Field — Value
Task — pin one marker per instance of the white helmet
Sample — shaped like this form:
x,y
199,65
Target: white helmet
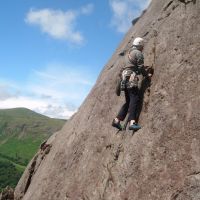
x,y
138,42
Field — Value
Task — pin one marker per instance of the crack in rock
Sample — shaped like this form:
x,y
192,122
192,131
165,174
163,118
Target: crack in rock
x,y
187,1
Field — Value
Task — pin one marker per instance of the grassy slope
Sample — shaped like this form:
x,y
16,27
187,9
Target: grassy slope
x,y
21,133
9,174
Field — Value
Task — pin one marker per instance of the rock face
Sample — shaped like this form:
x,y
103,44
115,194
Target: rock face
x,y
87,160
7,194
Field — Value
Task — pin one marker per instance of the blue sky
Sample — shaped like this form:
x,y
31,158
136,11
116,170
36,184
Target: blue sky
x,y
52,51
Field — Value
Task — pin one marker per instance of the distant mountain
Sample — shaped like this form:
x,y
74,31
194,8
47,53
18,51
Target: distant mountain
x,y
21,132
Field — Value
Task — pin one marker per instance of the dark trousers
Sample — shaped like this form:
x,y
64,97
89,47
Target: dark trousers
x,y
131,104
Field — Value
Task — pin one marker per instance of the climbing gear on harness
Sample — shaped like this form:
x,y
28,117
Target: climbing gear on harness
x,y
133,81
117,125
134,127
124,76
138,42
129,79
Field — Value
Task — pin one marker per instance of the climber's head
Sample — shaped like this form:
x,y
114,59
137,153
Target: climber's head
x,y
138,43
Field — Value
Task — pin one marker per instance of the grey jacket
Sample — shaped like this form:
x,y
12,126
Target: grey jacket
x,y
134,61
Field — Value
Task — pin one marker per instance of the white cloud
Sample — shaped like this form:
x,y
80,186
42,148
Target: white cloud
x,y
4,94
88,9
58,74
45,107
57,111
59,24
56,90
124,11
61,82
8,90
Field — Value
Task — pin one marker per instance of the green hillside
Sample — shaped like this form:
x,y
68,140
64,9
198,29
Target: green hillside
x,y
21,133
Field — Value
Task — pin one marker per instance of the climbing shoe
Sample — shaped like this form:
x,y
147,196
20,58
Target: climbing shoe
x,y
117,125
134,127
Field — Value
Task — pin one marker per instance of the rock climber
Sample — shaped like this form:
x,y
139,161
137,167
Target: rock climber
x,y
133,68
